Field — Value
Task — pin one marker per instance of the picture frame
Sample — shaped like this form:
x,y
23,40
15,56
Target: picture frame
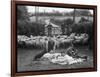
x,y
14,53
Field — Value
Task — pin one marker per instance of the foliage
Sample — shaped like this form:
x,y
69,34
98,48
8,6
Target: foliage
x,y
22,13
66,26
83,19
37,29
84,12
84,27
68,21
80,12
28,29
24,26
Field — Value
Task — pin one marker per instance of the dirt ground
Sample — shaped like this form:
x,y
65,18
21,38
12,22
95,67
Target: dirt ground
x,y
25,60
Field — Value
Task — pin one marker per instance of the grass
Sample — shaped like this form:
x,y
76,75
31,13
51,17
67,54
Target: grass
x,y
58,18
25,60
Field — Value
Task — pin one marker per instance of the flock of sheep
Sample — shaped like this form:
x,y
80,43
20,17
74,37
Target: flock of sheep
x,y
42,41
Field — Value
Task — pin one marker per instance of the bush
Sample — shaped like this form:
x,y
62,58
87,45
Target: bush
x,y
22,27
68,21
27,28
37,28
83,19
84,27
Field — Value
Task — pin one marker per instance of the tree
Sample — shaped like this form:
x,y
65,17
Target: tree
x,y
80,12
22,20
74,13
66,26
84,12
22,13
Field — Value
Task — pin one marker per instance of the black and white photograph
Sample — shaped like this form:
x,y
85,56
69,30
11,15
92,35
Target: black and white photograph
x,y
50,38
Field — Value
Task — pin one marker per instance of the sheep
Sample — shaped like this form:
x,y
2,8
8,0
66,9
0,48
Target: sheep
x,y
42,41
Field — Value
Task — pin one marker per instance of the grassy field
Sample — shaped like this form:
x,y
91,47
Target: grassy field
x,y
58,18
25,60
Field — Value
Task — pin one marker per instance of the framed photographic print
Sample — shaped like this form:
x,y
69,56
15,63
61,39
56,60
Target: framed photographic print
x,y
51,38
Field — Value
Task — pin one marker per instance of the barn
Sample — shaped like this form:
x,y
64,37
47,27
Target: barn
x,y
52,29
